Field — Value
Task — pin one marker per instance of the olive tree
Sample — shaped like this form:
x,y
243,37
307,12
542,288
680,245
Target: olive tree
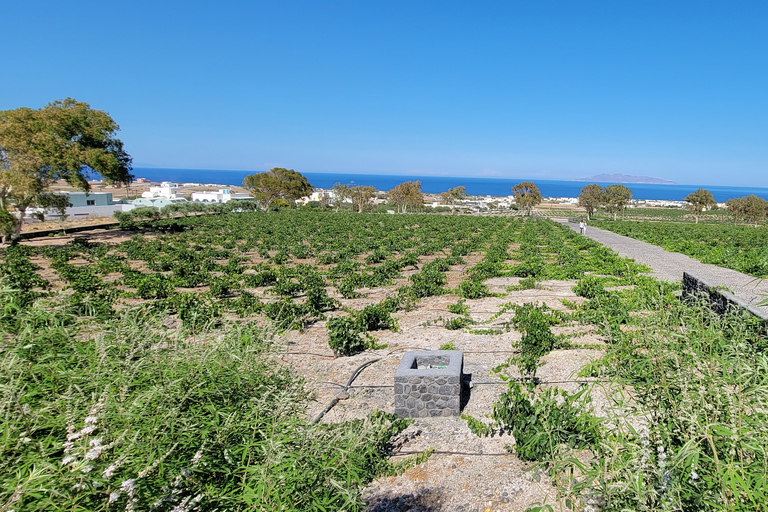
x,y
65,140
699,201
277,183
527,195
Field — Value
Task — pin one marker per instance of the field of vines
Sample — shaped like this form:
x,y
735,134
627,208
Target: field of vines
x,y
137,374
743,248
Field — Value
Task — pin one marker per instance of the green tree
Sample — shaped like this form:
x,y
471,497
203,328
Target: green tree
x,y
590,198
453,196
361,196
340,194
755,209
527,195
616,198
406,195
699,201
737,206
275,184
65,140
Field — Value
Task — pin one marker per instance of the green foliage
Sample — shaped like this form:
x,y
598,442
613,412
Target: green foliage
x,y
534,322
460,308
448,346
742,248
87,427
471,289
454,324
541,423
153,286
344,336
277,184
589,287
428,282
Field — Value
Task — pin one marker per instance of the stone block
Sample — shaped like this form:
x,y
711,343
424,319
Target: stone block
x,y
428,384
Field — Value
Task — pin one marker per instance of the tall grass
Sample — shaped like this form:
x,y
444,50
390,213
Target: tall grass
x,y
688,431
123,415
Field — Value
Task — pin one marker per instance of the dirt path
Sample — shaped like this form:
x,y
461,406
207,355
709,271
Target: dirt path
x,y
669,266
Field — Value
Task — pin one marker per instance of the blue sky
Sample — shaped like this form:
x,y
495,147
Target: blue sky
x,y
519,89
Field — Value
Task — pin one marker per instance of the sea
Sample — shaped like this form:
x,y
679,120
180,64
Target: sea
x,y
437,184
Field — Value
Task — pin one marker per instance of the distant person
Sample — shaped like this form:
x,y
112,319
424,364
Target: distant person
x,y
582,227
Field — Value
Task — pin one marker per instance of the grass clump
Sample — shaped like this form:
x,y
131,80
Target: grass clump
x,y
126,416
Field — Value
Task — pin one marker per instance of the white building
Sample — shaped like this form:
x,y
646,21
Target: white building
x,y
84,205
167,190
223,195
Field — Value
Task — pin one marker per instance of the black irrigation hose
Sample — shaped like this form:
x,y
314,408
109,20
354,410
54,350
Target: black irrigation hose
x,y
344,389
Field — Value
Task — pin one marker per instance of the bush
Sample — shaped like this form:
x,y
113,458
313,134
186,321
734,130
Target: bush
x,y
344,338
541,423
471,289
538,340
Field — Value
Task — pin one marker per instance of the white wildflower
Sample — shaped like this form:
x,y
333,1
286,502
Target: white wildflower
x,y
90,420
94,453
87,469
74,436
109,471
694,475
67,460
87,429
114,496
68,446
79,487
198,455
128,487
95,442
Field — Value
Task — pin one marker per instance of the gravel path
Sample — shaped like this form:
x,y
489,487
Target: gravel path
x,y
669,266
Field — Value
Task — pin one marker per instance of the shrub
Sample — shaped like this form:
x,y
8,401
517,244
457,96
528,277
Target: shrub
x,y
471,289
589,287
344,338
153,286
541,423
537,340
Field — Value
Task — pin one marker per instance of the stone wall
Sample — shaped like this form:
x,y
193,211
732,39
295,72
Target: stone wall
x,y
428,384
721,301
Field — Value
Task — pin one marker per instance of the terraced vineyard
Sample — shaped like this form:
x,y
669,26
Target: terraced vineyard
x,y
180,367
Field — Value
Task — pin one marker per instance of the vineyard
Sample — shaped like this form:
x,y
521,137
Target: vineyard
x,y
179,366
743,248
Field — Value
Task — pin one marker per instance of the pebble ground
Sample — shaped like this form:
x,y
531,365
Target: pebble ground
x,y
669,266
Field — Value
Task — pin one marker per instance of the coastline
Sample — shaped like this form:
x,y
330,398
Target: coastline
x,y
482,187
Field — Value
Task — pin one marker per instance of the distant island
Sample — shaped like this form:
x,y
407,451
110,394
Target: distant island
x,y
624,178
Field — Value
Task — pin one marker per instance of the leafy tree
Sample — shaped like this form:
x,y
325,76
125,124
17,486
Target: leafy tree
x,y
453,196
616,198
361,195
527,195
737,207
65,140
699,201
275,184
591,197
340,194
406,195
755,209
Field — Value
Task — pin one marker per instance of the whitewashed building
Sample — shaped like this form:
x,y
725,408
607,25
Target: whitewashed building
x,y
223,195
